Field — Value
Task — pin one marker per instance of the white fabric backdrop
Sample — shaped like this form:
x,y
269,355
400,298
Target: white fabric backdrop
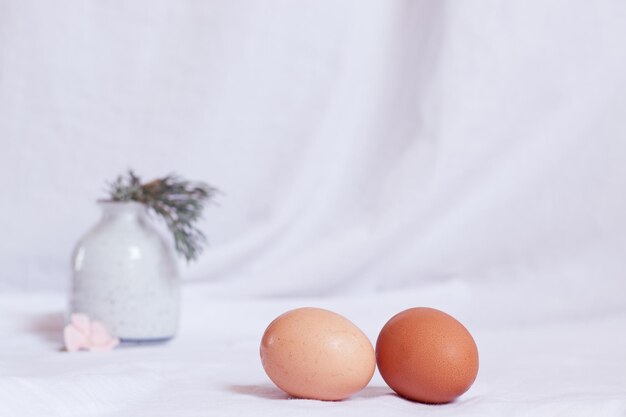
x,y
470,156
422,141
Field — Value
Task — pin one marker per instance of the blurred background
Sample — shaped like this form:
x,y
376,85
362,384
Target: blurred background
x,y
361,146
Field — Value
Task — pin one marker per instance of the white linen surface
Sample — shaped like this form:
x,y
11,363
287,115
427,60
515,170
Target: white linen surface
x,y
374,155
542,366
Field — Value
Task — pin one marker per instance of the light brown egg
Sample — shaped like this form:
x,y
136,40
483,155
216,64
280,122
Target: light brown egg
x,y
317,354
426,355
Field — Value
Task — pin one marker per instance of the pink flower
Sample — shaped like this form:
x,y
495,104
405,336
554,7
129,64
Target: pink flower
x,y
83,333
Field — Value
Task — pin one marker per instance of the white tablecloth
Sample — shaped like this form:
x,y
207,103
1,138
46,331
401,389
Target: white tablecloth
x,y
539,360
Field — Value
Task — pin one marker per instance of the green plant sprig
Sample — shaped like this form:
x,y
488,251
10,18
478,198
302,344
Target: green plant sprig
x,y
179,202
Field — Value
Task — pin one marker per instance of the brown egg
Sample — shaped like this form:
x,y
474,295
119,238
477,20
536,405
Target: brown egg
x,y
426,355
317,354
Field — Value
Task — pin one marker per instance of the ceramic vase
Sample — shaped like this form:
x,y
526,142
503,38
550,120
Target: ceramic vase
x,y
125,274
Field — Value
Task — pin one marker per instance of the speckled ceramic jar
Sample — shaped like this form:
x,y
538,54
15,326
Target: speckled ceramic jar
x,y
126,275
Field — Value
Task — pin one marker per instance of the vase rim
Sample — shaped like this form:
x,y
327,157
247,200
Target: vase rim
x,y
111,203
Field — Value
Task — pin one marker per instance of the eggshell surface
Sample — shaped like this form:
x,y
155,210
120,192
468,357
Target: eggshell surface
x,y
426,355
317,354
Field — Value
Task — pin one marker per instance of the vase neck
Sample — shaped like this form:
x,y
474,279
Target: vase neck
x,y
122,210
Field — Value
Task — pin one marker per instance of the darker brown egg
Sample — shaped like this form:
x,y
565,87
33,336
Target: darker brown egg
x,y
426,355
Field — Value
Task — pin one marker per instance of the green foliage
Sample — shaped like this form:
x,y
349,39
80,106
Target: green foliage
x,y
179,202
